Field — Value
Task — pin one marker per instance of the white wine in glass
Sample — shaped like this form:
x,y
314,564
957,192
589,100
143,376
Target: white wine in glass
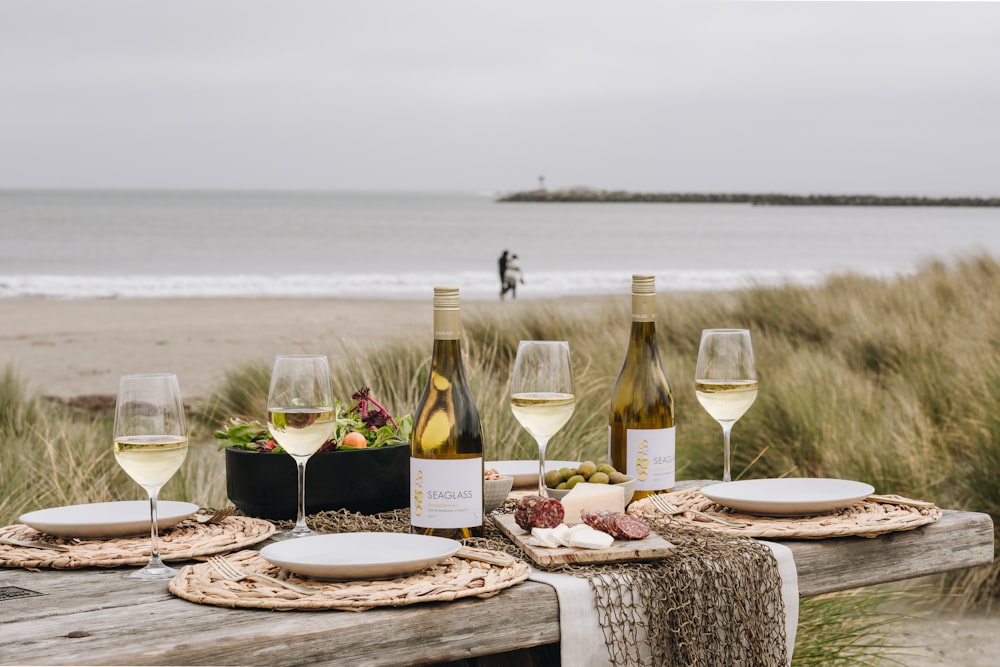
x,y
300,417
726,381
541,393
150,444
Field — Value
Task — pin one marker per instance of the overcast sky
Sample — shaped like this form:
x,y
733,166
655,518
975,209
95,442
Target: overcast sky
x,y
887,98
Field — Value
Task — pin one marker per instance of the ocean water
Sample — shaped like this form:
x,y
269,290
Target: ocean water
x,y
103,244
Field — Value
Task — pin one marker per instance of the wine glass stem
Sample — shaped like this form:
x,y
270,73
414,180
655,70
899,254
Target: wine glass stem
x,y
727,429
542,442
300,519
154,533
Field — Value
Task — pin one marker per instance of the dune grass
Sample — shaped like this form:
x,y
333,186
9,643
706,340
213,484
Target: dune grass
x,y
893,381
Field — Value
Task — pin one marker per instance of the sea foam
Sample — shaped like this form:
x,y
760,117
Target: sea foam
x,y
403,285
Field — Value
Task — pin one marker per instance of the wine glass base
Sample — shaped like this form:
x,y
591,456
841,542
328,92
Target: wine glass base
x,y
153,573
292,534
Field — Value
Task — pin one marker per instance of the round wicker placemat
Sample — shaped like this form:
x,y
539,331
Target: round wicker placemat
x,y
188,539
866,518
451,579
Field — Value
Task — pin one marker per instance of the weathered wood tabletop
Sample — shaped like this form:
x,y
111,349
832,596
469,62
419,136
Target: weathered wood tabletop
x,y
97,616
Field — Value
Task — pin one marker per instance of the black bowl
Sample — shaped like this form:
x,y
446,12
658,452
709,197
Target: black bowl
x,y
367,480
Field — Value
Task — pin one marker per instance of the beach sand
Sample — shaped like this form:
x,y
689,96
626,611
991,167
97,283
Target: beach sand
x,y
949,639
70,349
81,347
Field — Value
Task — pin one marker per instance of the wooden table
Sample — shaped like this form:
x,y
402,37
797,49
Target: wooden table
x,y
98,617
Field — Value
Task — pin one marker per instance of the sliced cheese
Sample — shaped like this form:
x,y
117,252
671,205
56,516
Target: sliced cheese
x,y
586,497
545,537
561,534
589,538
580,535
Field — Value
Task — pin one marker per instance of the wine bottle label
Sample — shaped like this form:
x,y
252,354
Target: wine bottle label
x,y
650,457
643,308
447,325
446,493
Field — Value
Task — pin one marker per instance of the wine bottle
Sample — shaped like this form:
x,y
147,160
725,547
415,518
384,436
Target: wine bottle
x,y
446,448
641,419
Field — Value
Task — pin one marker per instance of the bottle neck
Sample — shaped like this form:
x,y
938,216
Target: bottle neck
x,y
643,331
447,355
446,358
643,335
447,324
643,308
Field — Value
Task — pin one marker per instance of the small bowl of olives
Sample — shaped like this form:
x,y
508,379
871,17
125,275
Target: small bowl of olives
x,y
559,482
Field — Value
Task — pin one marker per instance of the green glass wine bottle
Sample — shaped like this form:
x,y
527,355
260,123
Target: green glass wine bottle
x,y
446,448
641,437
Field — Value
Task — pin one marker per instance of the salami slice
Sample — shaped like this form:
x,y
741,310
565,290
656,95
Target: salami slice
x,y
538,512
597,519
629,527
618,525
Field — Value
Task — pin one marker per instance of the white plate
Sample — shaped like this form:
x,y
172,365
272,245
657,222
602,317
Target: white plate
x,y
104,520
359,555
788,496
525,473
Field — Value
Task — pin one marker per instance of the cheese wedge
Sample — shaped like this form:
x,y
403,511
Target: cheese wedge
x,y
586,497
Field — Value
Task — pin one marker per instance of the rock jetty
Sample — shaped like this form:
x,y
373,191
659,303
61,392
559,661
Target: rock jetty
x,y
588,195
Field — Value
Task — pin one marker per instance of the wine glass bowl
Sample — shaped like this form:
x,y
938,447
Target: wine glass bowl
x,y
726,380
150,444
541,393
300,417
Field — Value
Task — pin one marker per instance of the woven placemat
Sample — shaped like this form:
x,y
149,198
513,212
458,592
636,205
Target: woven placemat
x,y
712,578
866,518
451,579
188,539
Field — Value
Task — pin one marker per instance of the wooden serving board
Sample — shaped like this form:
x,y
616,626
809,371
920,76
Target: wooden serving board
x,y
648,548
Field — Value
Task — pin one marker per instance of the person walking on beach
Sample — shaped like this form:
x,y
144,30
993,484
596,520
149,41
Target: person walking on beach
x,y
503,272
511,277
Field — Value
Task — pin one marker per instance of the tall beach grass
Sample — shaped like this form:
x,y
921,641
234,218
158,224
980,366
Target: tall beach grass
x,y
892,381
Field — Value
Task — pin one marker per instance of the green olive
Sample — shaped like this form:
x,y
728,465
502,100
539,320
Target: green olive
x,y
618,477
587,468
599,478
566,473
574,480
553,478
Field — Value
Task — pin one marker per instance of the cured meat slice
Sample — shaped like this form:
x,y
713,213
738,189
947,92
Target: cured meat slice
x,y
538,512
617,524
598,519
629,527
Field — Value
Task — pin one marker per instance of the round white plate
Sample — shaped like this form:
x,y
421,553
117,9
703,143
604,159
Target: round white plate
x,y
788,496
105,520
359,555
525,473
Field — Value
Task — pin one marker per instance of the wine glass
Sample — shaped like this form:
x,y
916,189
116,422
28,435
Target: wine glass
x,y
150,443
725,380
300,417
541,393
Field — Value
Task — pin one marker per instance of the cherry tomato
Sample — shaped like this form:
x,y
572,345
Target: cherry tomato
x,y
355,440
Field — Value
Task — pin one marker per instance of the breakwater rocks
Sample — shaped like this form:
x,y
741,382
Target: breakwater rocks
x,y
589,196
